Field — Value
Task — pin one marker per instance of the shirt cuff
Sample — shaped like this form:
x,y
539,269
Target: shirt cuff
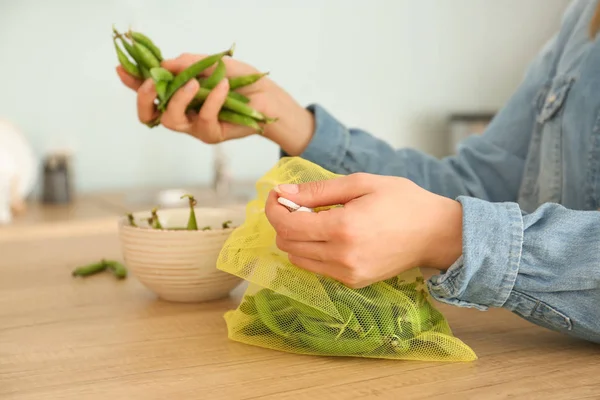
x,y
330,141
485,274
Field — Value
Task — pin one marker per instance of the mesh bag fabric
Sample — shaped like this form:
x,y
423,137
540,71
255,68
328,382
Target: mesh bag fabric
x,y
289,309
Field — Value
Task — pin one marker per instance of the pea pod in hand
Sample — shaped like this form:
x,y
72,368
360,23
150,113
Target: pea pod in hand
x,y
146,57
127,65
90,269
217,76
146,42
237,82
192,72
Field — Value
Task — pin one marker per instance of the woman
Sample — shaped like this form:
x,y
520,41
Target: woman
x,y
511,221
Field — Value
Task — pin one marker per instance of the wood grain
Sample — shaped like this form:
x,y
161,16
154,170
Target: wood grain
x,y
97,338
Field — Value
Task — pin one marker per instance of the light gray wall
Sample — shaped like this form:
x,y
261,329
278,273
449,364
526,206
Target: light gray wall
x,y
395,68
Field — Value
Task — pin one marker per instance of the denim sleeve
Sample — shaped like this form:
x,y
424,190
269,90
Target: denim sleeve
x,y
543,266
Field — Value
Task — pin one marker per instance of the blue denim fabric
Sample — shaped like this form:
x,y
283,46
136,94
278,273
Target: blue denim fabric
x,y
529,188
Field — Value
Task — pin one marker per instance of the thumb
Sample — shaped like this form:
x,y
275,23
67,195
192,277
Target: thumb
x,y
328,192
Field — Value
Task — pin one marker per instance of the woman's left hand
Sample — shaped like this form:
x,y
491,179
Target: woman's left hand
x,y
387,225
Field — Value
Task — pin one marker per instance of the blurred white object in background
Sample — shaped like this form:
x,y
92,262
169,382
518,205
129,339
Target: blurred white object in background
x,y
221,172
18,170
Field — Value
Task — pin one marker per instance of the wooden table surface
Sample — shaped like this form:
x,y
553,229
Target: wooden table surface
x,y
97,338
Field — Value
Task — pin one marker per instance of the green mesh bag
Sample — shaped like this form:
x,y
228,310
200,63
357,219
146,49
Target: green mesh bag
x,y
289,309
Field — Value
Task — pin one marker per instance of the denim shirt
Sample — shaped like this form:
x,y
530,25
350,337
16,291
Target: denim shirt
x,y
529,188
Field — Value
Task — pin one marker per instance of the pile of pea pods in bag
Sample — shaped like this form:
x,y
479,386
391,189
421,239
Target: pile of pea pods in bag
x,y
141,58
289,309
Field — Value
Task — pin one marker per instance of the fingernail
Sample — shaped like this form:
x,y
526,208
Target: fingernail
x,y
287,188
224,82
147,86
190,86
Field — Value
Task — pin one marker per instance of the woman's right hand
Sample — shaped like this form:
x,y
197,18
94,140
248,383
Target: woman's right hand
x,y
292,131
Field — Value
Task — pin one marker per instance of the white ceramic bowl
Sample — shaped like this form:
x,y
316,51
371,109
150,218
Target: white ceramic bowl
x,y
180,265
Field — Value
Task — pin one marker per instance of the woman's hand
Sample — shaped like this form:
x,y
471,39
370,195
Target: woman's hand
x,y
292,131
386,226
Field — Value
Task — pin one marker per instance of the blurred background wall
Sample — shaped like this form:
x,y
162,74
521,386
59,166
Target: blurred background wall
x,y
396,68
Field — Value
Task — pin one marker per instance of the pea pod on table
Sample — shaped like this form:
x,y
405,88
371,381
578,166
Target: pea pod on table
x,y
90,269
117,269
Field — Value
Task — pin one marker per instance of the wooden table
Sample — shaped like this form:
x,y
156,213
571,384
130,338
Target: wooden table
x,y
97,338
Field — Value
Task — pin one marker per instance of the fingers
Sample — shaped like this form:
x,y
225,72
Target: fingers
x,y
175,116
319,267
298,226
145,102
206,125
330,192
233,67
176,65
317,251
128,80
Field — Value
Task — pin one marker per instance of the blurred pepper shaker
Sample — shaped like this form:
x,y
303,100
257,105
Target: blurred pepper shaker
x,y
57,179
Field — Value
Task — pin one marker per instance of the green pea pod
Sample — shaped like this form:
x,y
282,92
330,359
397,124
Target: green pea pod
x,y
155,220
161,89
229,116
400,300
131,220
239,119
146,57
351,322
145,71
341,346
438,345
399,345
385,317
316,327
192,224
127,65
364,316
278,304
192,72
161,74
404,328
239,97
134,54
217,76
255,327
90,269
146,42
245,80
276,300
233,105
311,311
234,95
267,316
248,306
117,269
